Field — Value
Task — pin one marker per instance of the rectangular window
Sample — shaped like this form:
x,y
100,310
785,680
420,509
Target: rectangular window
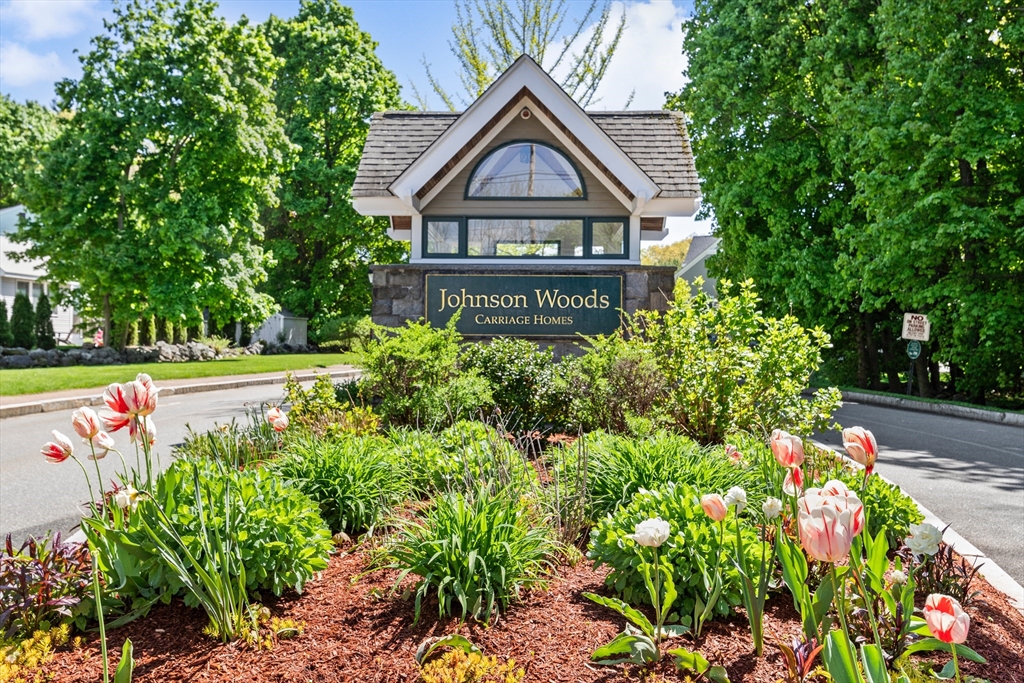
x,y
542,237
443,237
609,238
37,290
23,288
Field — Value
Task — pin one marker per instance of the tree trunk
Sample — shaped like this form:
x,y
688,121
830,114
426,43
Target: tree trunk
x,y
933,369
892,364
924,387
862,354
954,375
874,371
107,322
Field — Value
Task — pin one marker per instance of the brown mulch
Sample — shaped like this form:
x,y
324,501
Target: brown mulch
x,y
355,631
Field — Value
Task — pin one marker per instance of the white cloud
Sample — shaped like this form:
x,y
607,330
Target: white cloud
x,y
20,66
649,60
37,20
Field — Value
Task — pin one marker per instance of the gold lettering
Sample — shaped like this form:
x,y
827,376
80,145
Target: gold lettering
x,y
562,298
455,298
506,301
575,298
547,296
442,300
517,298
592,297
495,301
604,301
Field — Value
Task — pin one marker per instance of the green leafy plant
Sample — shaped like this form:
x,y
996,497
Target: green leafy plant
x,y
21,656
943,573
473,552
729,368
45,338
799,656
218,344
279,538
233,444
354,481
6,337
344,333
519,376
621,466
413,372
23,321
686,660
460,666
692,551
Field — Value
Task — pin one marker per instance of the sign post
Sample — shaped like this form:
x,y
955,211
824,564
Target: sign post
x,y
917,328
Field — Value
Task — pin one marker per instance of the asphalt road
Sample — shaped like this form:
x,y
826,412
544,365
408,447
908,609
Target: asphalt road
x,y
36,495
969,473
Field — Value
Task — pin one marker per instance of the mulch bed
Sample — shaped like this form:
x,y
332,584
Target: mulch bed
x,y
355,631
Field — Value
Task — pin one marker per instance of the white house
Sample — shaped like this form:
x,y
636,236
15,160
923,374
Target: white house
x,y
701,247
29,277
282,327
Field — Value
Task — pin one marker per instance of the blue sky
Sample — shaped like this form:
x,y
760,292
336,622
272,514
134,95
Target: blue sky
x,y
38,40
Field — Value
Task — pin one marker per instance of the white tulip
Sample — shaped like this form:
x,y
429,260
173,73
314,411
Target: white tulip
x,y
772,508
651,533
898,578
127,498
924,539
738,497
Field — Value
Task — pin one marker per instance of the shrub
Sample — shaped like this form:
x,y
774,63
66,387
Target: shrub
x,y
616,378
413,373
885,506
45,338
474,552
621,466
41,583
21,659
353,480
6,338
23,322
728,368
324,412
519,375
281,538
344,333
691,549
218,344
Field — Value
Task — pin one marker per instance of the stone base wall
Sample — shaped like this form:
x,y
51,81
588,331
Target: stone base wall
x,y
399,290
16,357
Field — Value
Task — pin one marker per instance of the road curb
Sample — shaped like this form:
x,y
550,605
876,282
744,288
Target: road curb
x,y
987,567
948,409
19,409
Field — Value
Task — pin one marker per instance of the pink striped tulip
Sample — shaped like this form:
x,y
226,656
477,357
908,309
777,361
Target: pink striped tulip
x,y
829,519
946,619
793,484
143,430
58,450
787,449
861,446
277,419
85,422
101,443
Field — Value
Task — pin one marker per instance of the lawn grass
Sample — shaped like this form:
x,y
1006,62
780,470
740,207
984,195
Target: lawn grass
x,y
38,380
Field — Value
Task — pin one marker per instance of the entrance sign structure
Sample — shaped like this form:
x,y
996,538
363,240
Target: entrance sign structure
x,y
524,210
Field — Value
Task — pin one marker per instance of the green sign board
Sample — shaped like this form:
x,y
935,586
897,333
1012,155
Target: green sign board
x,y
914,349
526,305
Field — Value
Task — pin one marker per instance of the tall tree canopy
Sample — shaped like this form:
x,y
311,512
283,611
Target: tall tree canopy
x,y
864,159
149,197
25,129
489,35
329,83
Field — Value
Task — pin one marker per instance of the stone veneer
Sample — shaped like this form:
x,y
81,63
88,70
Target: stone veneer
x,y
398,290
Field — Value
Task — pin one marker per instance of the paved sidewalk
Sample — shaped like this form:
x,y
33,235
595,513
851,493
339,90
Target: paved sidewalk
x,y
25,404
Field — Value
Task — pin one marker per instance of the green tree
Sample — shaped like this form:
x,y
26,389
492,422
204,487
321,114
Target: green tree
x,y
25,129
149,198
665,254
489,35
934,134
45,338
329,83
6,338
23,322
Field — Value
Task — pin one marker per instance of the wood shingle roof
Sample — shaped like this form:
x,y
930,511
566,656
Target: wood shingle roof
x,y
656,141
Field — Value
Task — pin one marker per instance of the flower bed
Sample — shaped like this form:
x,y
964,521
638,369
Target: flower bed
x,y
760,559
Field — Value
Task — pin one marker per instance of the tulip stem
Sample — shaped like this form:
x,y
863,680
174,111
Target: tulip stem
x,y
867,599
96,462
658,619
88,482
956,662
841,609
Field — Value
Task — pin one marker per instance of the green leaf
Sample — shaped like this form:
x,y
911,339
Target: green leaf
x,y
687,660
638,646
453,640
126,667
936,645
874,664
635,616
841,666
947,672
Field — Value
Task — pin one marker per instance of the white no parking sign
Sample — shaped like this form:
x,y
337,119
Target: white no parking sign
x,y
916,326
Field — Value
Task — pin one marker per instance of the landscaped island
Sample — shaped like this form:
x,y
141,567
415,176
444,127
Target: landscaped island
x,y
649,510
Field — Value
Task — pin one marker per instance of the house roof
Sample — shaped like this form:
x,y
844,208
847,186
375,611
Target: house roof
x,y
656,141
701,246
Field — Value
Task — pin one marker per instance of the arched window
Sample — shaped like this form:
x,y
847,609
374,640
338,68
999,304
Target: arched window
x,y
525,170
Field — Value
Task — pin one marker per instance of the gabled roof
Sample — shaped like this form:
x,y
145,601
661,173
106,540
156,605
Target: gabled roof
x,y
656,141
701,246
